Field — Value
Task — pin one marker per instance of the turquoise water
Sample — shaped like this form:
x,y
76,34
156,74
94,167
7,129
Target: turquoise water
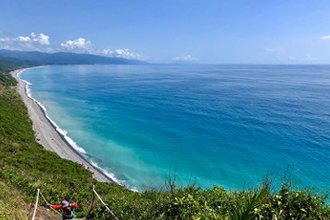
x,y
224,125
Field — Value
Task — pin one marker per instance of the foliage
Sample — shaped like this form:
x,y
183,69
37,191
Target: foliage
x,y
25,166
5,78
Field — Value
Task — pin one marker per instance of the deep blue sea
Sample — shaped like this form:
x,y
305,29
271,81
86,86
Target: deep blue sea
x,y
227,125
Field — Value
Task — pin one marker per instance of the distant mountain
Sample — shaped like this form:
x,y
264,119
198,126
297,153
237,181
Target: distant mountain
x,y
62,58
15,62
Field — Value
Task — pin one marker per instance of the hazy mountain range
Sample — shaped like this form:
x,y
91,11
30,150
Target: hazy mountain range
x,y
61,58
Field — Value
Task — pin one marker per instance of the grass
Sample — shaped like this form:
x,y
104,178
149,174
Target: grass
x,y
12,206
25,165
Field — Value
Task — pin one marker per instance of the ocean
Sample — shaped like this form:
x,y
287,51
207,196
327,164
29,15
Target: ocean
x,y
227,125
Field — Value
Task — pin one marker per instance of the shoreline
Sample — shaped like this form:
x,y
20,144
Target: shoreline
x,y
49,137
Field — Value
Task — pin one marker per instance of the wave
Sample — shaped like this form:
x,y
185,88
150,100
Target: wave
x,y
58,129
112,176
64,134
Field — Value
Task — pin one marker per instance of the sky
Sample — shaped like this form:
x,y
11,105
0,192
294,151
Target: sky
x,y
171,31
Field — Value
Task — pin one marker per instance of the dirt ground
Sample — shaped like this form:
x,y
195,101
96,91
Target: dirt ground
x,y
47,214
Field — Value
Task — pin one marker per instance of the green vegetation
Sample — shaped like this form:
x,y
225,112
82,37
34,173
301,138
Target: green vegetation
x,y
5,78
25,165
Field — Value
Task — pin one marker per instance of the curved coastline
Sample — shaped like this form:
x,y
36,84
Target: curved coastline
x,y
50,138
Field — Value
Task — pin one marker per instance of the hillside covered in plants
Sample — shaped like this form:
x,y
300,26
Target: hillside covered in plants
x,y
25,166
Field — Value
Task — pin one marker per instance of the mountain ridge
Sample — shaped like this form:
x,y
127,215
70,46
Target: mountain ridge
x,y
64,58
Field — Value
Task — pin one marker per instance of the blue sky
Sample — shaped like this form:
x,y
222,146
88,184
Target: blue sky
x,y
213,32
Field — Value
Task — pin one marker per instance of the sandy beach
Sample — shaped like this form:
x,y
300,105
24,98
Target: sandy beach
x,y
49,138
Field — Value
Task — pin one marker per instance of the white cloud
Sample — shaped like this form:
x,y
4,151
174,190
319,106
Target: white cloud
x,y
82,45
122,53
22,39
41,39
39,42
5,40
25,42
326,37
185,58
309,57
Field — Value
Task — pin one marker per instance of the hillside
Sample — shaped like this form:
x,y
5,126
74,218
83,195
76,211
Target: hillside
x,y
62,58
25,166
12,62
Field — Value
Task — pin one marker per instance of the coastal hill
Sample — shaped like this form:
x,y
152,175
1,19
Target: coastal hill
x,y
62,58
25,165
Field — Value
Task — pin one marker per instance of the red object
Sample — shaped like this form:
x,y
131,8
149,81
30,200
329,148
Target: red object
x,y
73,206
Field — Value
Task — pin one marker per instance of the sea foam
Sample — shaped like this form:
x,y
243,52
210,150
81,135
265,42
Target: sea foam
x,y
65,136
58,129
